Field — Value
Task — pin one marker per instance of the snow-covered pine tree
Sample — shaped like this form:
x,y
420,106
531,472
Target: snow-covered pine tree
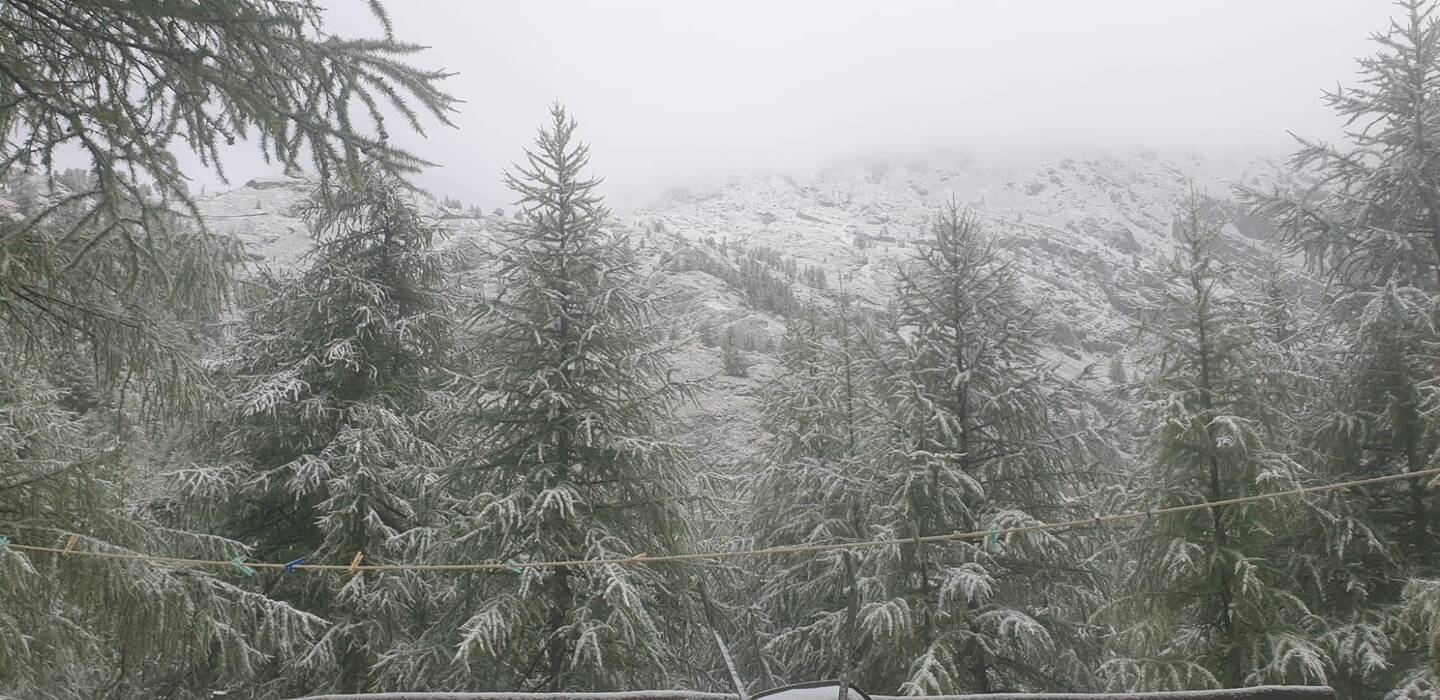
x,y
1381,420
1421,616
106,271
1218,597
87,627
1346,570
979,434
94,357
821,483
1369,216
732,360
570,459
1371,223
327,444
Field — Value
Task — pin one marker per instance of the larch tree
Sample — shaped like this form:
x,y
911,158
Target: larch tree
x,y
1333,542
81,626
980,434
1370,222
818,485
732,358
1218,597
569,459
112,271
127,86
328,445
1379,420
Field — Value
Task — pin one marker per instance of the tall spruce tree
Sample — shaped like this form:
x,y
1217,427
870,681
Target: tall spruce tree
x,y
327,446
570,460
1333,542
977,434
820,483
1371,223
1380,421
1219,597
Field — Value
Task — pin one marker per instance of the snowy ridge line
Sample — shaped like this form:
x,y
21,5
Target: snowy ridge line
x,y
642,559
1267,692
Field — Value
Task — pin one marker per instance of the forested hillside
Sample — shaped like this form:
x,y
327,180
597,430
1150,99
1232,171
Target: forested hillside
x,y
931,426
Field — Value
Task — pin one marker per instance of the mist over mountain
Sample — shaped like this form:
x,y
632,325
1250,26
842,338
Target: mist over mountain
x,y
674,96
1082,229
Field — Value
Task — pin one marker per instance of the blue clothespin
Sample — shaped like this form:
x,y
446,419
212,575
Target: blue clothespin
x,y
992,539
512,567
239,564
291,565
4,543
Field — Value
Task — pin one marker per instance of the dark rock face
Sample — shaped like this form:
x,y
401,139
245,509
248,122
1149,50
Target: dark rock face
x,y
276,183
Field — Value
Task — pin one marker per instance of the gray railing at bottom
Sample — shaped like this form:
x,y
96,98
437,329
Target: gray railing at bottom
x,y
1288,692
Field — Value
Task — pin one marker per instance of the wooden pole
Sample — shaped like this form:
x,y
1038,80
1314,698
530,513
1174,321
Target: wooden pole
x,y
720,641
852,609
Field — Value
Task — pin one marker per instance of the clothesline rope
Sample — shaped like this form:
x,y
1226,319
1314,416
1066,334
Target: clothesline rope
x,y
642,559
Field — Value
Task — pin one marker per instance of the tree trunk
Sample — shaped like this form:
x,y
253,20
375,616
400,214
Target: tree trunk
x,y
1231,675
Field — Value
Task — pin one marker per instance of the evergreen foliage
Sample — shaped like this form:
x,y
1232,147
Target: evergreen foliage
x,y
326,445
133,314
819,484
983,434
105,283
569,459
950,421
82,627
99,353
758,275
1371,224
126,82
732,359
370,403
1216,598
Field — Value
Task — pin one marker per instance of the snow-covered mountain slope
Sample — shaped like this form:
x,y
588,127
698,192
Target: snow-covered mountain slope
x,y
1081,229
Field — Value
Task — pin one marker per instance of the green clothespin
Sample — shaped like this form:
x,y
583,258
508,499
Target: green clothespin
x,y
239,564
4,543
512,567
992,539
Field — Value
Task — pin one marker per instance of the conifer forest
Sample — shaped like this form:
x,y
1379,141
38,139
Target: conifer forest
x,y
944,423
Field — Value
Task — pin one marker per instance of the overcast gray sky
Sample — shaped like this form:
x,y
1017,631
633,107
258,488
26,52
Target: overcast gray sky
x,y
671,91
